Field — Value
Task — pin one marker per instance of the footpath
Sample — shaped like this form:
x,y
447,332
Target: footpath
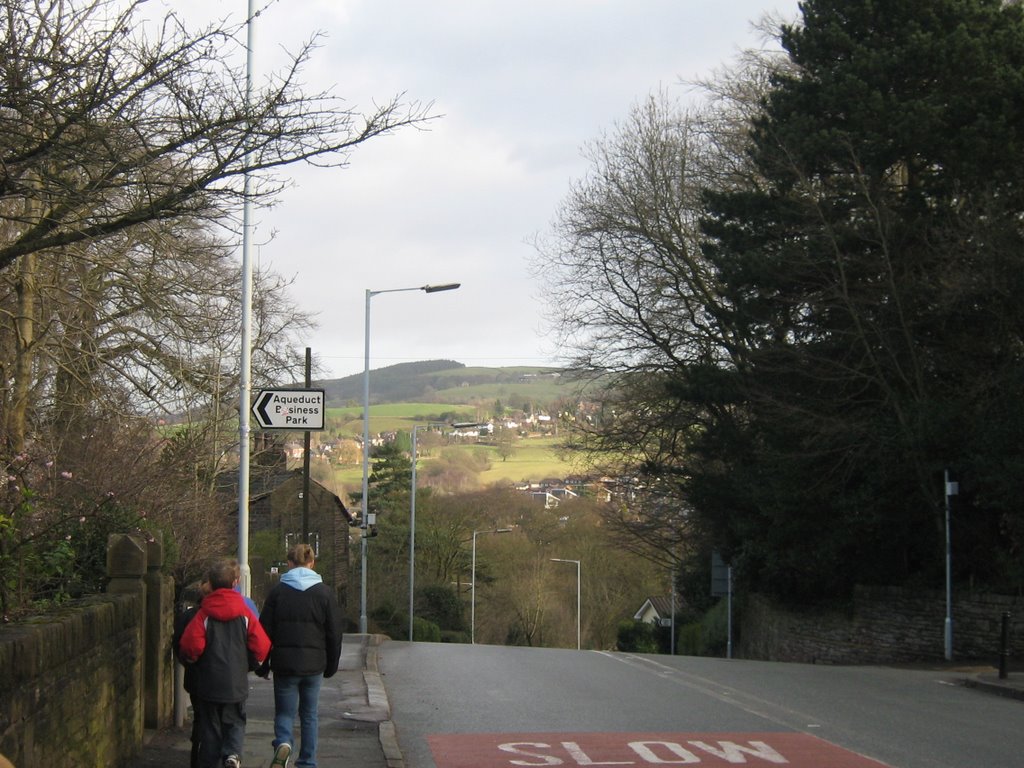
x,y
355,716
355,719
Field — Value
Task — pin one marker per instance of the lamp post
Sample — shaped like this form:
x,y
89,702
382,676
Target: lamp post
x,y
245,357
578,595
412,528
472,589
952,489
363,523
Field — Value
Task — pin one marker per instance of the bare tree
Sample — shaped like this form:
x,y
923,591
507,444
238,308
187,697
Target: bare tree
x,y
108,125
125,154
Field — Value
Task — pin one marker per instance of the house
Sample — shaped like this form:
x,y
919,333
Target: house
x,y
563,493
276,507
279,508
550,500
656,610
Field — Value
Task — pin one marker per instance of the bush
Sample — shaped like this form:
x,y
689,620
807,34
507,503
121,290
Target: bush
x,y
707,637
425,631
441,605
637,636
690,641
716,629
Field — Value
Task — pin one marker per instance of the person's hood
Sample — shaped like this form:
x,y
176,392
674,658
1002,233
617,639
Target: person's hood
x,y
301,578
224,605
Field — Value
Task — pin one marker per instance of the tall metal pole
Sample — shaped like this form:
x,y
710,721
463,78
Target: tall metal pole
x,y
472,595
472,589
728,648
578,595
412,535
672,592
366,465
364,522
951,489
305,457
245,359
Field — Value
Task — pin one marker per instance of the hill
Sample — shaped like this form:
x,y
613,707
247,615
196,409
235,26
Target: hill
x,y
447,381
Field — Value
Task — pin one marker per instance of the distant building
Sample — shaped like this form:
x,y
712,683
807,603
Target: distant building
x,y
276,504
655,610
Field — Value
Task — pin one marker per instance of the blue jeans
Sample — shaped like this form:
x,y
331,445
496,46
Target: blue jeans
x,y
297,694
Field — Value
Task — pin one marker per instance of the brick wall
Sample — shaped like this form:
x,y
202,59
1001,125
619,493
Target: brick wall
x,y
881,625
72,690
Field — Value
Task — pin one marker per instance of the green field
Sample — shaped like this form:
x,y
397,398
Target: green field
x,y
392,417
534,459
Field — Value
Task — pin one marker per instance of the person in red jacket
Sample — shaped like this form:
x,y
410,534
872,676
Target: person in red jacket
x,y
224,640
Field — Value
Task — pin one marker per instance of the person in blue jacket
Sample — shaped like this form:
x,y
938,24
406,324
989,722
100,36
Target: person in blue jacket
x,y
302,620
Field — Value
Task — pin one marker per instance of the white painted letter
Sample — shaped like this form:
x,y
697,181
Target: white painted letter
x,y
514,748
582,758
733,753
643,748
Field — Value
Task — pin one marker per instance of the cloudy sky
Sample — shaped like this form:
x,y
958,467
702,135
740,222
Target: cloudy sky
x,y
522,86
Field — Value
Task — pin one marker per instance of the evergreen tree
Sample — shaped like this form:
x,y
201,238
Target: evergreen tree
x,y
871,299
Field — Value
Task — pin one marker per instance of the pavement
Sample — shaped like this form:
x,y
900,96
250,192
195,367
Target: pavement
x,y
355,719
355,716
988,680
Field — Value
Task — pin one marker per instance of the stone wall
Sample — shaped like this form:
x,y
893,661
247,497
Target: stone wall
x,y
81,682
72,691
882,625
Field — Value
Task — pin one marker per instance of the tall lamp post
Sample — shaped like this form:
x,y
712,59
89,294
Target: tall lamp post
x,y
364,522
472,590
412,528
245,358
952,489
578,595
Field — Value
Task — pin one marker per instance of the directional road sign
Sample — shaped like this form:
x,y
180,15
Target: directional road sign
x,y
300,409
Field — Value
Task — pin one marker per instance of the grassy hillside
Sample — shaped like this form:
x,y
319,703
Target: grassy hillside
x,y
449,382
409,394
534,459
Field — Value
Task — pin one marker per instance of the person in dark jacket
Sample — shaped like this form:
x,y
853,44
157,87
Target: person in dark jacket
x,y
193,595
302,619
224,640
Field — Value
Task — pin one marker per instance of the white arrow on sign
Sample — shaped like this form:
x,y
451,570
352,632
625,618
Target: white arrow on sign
x,y
300,409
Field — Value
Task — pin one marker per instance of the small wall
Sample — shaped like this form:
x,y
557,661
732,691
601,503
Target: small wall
x,y
81,682
883,625
72,685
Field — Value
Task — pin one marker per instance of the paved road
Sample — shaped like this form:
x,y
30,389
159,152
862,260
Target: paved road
x,y
457,706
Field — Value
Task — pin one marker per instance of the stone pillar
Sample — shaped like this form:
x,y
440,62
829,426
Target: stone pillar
x,y
126,567
158,678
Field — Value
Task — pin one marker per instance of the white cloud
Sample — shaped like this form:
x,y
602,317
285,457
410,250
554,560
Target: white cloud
x,y
523,87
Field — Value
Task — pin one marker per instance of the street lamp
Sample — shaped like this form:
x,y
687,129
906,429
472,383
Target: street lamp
x,y
245,357
560,560
366,434
472,591
952,489
412,526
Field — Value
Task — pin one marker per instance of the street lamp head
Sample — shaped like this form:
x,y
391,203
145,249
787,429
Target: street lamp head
x,y
439,288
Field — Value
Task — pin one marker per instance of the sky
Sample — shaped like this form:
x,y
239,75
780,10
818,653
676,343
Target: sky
x,y
522,88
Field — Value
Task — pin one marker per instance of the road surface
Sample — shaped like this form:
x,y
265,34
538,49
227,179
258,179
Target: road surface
x,y
475,706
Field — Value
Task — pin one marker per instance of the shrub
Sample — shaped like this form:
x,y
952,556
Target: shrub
x,y
636,636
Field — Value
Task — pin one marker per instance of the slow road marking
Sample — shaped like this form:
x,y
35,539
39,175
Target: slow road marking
x,y
540,750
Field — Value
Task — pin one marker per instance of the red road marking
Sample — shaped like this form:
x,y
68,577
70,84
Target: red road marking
x,y
541,750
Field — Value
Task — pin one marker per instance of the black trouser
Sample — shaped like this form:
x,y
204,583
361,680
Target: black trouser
x,y
221,730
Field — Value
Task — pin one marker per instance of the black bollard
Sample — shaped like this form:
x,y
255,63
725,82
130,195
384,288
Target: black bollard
x,y
1004,646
